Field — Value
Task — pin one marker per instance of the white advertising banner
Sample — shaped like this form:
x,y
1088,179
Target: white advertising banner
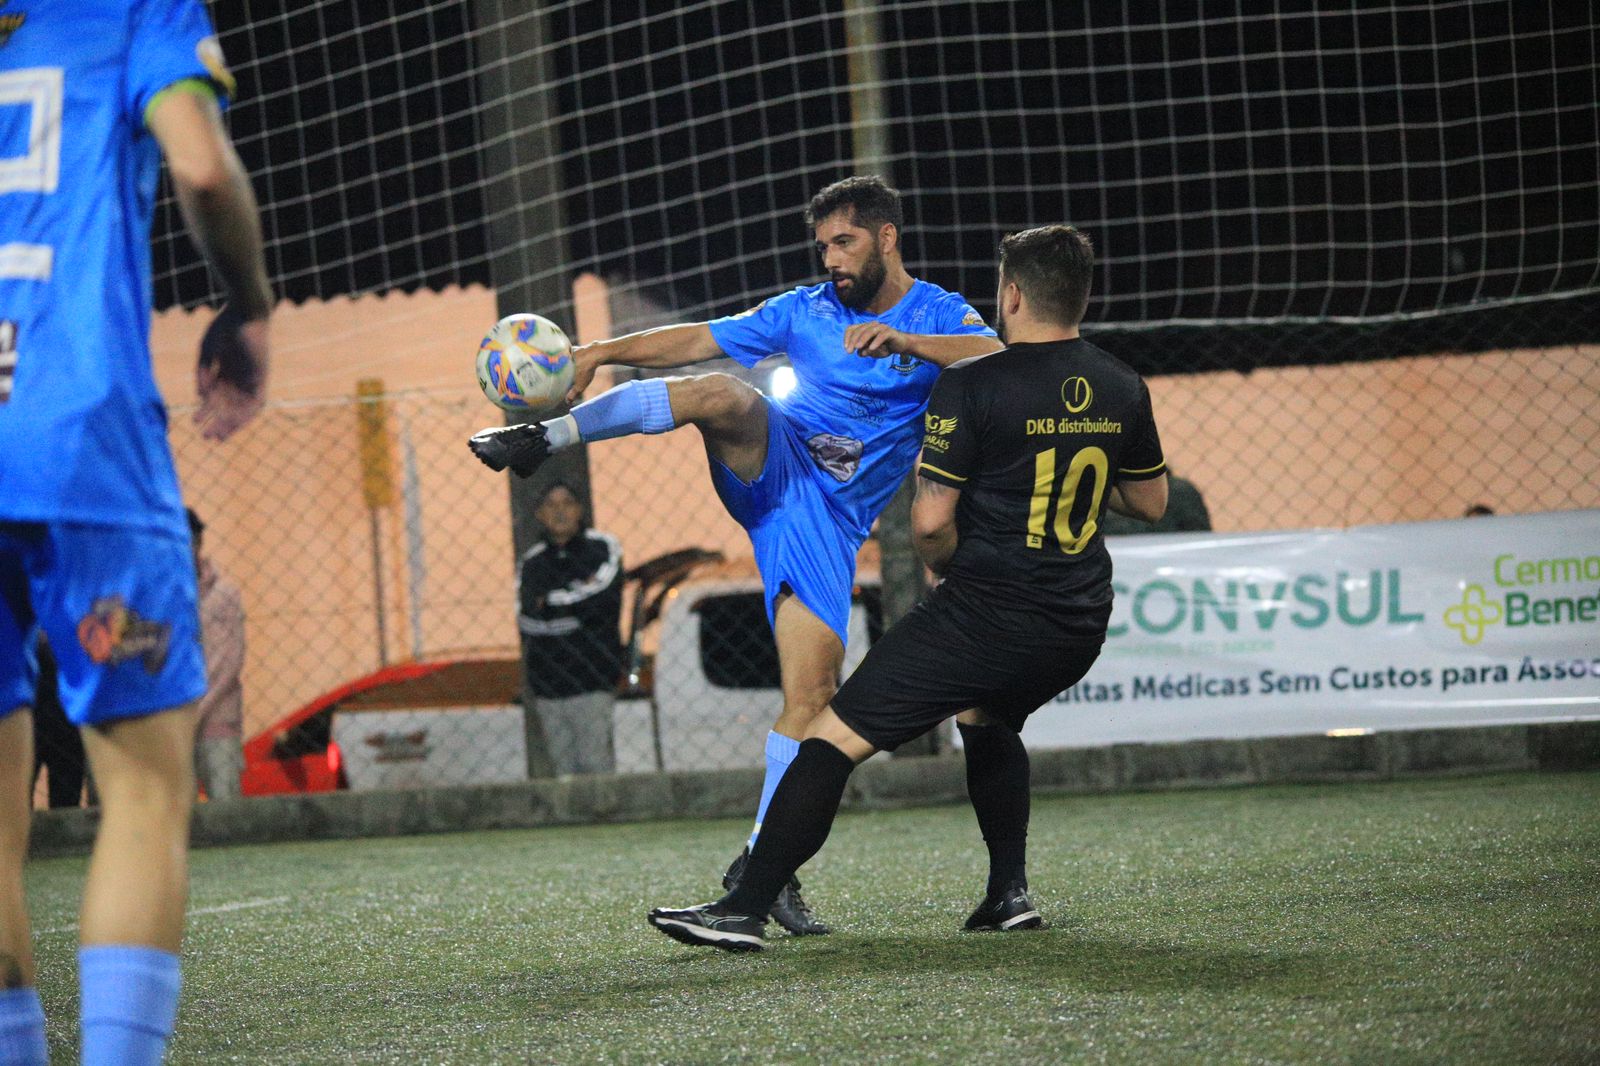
x,y
1477,621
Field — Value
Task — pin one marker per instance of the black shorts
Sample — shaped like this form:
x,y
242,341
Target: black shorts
x,y
948,655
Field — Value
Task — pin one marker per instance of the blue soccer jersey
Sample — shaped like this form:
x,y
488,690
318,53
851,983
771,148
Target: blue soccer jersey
x,y
83,431
860,418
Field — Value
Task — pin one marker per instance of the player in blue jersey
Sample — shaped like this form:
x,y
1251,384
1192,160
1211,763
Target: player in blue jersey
x,y
806,475
94,544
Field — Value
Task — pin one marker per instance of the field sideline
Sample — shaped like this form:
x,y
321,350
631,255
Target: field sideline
x,y
1440,920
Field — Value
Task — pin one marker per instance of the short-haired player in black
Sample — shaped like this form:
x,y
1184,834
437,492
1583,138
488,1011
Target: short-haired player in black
x,y
1023,452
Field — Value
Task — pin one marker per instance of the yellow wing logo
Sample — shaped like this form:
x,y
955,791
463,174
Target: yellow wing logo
x,y
1077,395
939,427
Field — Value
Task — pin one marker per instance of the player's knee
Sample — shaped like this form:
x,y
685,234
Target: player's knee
x,y
157,797
715,399
807,703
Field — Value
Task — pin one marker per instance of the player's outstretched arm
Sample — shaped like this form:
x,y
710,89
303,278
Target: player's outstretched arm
x,y
933,523
878,341
219,207
656,349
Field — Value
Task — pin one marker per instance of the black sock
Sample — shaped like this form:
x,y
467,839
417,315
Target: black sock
x,y
797,822
997,784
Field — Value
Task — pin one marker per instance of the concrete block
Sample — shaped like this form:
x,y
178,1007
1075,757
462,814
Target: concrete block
x,y
884,783
1456,750
1565,746
879,783
1315,758
1076,770
1200,762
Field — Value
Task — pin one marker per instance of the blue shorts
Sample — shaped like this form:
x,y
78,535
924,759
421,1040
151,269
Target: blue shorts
x,y
119,607
801,542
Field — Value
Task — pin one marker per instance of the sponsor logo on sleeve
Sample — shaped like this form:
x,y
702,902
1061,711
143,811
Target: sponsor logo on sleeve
x,y
938,429
209,52
973,319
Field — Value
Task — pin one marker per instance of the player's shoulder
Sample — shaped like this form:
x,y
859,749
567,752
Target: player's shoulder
x,y
1112,364
801,298
926,293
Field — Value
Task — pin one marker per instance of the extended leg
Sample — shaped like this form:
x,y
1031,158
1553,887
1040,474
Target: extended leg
x,y
21,1019
133,902
731,416
798,822
998,786
810,657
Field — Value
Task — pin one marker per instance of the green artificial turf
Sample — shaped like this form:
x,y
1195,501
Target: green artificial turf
x,y
1443,920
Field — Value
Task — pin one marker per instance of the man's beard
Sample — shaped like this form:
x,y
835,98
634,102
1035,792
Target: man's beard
x,y
864,286
1000,322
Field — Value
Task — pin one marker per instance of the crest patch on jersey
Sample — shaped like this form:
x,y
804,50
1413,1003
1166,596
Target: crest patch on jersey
x,y
973,319
839,456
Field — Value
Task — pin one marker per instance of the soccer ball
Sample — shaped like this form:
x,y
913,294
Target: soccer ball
x,y
525,364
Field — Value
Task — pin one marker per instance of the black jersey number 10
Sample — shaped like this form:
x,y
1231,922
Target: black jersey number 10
x,y
1064,497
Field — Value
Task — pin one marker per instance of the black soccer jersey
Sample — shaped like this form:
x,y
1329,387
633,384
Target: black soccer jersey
x,y
1035,436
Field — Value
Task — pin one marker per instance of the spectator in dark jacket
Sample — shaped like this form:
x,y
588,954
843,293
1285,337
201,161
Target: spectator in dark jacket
x,y
570,600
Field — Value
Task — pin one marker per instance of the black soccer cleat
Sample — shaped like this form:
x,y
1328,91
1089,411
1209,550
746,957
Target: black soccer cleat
x,y
789,910
521,447
711,925
1009,909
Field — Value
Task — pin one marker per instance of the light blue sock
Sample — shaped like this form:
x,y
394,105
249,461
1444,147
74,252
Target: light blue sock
x,y
129,1003
22,1028
632,407
781,751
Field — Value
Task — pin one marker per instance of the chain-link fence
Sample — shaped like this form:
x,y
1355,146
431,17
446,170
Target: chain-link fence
x,y
373,556
1353,248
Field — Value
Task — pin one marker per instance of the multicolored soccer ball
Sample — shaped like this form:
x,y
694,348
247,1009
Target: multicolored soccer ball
x,y
525,364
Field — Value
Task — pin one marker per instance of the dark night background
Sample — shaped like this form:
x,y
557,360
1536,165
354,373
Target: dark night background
x,y
1217,165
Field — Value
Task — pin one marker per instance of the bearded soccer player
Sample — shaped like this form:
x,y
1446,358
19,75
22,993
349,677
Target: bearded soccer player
x,y
1024,451
94,544
806,475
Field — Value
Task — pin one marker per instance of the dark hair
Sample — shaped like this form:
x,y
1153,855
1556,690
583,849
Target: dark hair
x,y
196,527
870,201
557,483
1053,266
